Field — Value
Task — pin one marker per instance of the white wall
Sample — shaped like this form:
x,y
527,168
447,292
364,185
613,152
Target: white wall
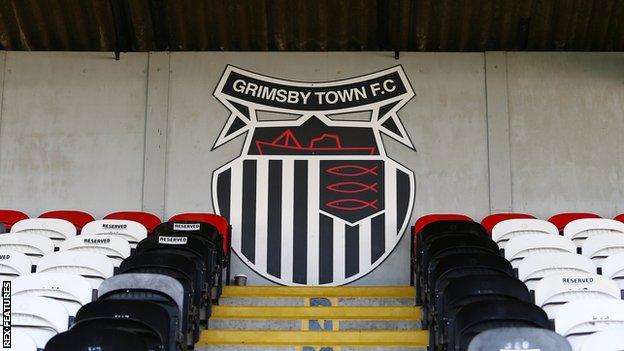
x,y
73,130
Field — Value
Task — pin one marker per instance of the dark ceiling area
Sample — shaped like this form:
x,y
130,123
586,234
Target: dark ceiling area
x,y
312,25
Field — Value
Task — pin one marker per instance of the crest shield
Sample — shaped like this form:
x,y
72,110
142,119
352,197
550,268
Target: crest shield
x,y
315,200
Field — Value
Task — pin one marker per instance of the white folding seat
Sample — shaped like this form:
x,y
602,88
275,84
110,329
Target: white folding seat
x,y
39,317
611,339
505,230
53,228
32,245
599,247
20,341
115,247
72,290
577,320
132,231
613,267
93,266
580,229
522,246
555,290
539,265
13,264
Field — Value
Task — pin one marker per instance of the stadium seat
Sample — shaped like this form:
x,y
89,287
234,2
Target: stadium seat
x,y
577,320
490,221
219,222
131,231
480,316
423,221
13,264
93,266
613,267
71,290
114,247
32,245
619,218
599,247
10,217
145,318
20,341
101,339
520,338
148,220
605,340
78,218
522,246
157,288
55,229
503,231
465,290
555,290
39,317
579,230
562,219
537,266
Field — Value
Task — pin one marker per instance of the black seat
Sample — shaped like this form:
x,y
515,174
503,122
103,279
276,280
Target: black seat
x,y
467,289
152,314
480,316
101,339
529,338
178,267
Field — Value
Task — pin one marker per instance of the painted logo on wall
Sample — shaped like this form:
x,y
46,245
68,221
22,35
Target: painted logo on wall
x,y
314,199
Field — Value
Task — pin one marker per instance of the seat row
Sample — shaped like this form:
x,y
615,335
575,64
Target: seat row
x,y
159,299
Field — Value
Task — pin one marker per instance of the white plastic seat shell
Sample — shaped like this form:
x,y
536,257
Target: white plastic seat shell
x,y
114,247
132,231
580,229
599,247
555,290
505,230
71,290
13,264
93,266
537,266
577,320
613,267
20,341
520,247
32,245
53,228
39,317
611,339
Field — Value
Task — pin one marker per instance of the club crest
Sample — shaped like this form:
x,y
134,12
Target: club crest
x,y
315,199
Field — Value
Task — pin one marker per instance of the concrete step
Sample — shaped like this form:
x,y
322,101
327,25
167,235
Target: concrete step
x,y
406,292
301,301
306,348
317,312
251,324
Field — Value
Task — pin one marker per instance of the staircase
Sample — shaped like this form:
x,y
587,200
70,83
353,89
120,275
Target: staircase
x,y
253,318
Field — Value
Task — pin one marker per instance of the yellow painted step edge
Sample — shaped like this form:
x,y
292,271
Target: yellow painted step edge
x,y
317,291
333,312
372,338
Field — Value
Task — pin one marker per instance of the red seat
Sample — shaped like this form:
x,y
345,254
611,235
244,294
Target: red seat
x,y
149,220
434,217
10,217
490,221
219,222
562,219
78,218
620,218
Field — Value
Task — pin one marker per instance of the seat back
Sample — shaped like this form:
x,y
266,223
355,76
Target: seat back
x,y
32,245
39,317
519,338
436,217
490,221
555,290
562,219
114,247
577,320
75,217
148,220
53,228
503,231
599,247
579,230
19,341
71,290
537,266
131,231
13,264
93,266
520,247
219,222
613,267
101,339
605,340
10,217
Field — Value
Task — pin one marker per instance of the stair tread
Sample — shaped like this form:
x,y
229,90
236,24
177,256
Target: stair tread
x,y
316,291
317,312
